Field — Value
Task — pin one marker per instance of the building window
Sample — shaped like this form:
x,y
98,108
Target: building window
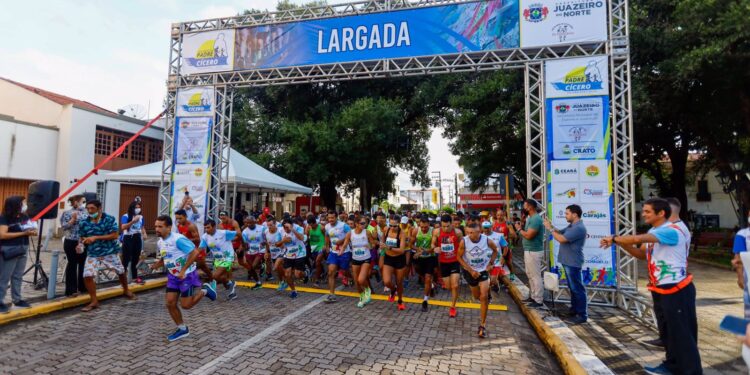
x,y
103,144
119,140
703,195
138,150
100,191
154,152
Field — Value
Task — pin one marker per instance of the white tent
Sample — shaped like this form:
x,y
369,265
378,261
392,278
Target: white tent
x,y
243,172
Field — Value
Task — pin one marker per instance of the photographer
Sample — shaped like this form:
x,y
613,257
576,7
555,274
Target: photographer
x,y
15,230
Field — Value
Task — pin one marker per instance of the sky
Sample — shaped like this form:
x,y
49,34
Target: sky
x,y
115,53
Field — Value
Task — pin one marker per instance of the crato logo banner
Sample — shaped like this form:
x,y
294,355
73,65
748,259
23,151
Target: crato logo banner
x,y
546,23
580,76
192,140
466,27
198,101
207,52
580,127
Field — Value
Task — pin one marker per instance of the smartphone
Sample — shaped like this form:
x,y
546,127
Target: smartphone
x,y
735,325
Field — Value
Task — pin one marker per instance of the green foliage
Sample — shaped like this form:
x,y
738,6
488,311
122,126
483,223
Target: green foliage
x,y
447,209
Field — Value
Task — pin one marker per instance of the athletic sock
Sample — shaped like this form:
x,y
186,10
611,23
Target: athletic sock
x,y
205,291
426,298
182,326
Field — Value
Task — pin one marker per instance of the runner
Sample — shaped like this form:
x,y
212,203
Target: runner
x,y
227,223
274,253
339,256
294,254
395,244
425,259
219,243
502,225
411,233
361,242
477,254
190,231
445,243
178,254
317,240
502,246
381,226
253,237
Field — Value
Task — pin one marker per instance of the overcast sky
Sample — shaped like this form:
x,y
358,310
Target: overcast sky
x,y
115,53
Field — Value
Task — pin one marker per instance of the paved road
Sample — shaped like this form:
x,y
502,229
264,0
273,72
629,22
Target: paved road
x,y
259,334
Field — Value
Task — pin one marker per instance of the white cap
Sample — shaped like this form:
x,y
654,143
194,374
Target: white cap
x,y
404,220
486,224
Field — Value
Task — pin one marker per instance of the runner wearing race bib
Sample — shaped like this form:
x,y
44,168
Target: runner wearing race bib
x,y
177,255
253,237
477,254
504,227
361,242
293,241
445,243
339,256
425,259
274,251
395,244
189,230
219,243
502,245
317,239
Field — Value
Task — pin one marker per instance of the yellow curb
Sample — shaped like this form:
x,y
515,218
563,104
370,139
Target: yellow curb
x,y
565,358
382,297
66,303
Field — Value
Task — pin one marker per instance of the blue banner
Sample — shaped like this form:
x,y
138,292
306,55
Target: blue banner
x,y
467,27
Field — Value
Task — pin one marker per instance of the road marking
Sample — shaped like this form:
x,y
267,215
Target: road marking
x,y
209,367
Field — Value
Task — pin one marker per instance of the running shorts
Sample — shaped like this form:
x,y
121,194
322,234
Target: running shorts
x,y
398,262
447,269
223,264
298,264
483,276
341,261
360,262
186,286
425,266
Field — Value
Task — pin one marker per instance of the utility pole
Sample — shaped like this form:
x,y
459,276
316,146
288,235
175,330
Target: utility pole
x,y
440,188
455,180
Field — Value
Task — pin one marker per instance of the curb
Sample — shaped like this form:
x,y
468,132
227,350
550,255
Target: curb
x,y
66,303
565,358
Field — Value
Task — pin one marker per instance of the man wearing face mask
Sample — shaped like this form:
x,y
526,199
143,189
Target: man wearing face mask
x,y
74,268
99,235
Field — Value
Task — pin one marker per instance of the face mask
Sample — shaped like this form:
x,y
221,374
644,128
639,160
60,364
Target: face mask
x,y
137,211
24,208
94,215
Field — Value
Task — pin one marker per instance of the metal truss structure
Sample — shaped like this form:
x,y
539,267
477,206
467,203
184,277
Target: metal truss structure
x,y
531,60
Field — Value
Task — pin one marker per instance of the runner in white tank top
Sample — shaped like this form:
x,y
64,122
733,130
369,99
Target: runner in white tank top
x,y
361,241
477,254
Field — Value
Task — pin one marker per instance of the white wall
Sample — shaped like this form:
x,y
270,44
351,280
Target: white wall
x,y
27,151
27,106
112,198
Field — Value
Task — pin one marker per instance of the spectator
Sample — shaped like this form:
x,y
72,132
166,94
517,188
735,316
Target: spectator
x,y
15,230
672,289
570,255
74,269
99,234
133,235
742,244
532,236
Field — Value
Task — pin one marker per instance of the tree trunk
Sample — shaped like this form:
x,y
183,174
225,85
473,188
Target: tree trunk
x,y
328,195
678,177
364,196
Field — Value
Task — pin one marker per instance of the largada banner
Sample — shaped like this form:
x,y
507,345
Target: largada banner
x,y
578,159
198,101
467,27
547,23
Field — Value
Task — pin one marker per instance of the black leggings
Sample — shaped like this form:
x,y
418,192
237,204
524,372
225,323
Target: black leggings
x,y
131,253
74,268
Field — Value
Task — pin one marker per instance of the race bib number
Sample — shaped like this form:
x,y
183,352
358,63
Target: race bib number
x,y
360,252
275,251
291,252
254,248
392,242
447,248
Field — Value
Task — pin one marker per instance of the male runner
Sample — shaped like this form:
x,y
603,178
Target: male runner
x,y
190,231
425,259
294,256
253,238
477,254
445,243
218,241
274,253
339,257
317,238
502,245
227,223
178,254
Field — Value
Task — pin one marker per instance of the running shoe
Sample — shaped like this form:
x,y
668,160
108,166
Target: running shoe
x,y
232,287
269,277
482,332
232,296
452,312
392,296
368,295
330,299
661,369
386,290
139,281
178,334
22,304
401,306
345,281
424,306
282,286
210,291
213,285
432,290
257,286
361,302
512,277
293,294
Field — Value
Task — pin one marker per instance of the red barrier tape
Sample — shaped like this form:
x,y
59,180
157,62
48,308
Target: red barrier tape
x,y
94,171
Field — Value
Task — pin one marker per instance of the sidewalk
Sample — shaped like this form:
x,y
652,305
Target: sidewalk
x,y
616,338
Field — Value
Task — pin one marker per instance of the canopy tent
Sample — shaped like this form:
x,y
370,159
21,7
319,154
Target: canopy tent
x,y
243,172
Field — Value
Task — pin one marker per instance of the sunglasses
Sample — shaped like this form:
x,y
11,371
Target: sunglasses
x,y
362,223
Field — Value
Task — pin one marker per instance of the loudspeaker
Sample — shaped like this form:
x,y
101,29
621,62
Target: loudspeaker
x,y
89,196
41,194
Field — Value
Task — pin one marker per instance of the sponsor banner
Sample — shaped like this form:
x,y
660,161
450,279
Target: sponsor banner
x,y
594,193
558,214
467,27
594,171
192,140
189,190
565,192
207,52
580,76
564,171
198,101
597,269
545,23
595,233
580,127
596,213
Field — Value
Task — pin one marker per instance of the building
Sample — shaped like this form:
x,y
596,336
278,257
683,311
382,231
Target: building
x,y
49,136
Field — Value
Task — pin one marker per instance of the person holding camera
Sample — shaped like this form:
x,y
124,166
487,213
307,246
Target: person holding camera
x,y
15,230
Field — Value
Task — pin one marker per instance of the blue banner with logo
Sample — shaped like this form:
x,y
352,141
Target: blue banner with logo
x,y
467,27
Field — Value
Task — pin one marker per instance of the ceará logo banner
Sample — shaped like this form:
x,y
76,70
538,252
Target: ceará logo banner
x,y
581,76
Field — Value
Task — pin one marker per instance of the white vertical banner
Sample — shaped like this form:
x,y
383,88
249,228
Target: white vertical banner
x,y
189,190
548,23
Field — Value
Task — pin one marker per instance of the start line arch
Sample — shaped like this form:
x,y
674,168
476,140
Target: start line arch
x,y
575,57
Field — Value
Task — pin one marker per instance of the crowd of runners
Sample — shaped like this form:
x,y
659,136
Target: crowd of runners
x,y
356,249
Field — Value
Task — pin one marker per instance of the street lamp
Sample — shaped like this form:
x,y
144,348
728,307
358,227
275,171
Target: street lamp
x,y
731,184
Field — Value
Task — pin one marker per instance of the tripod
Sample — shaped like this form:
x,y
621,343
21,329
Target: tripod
x,y
40,277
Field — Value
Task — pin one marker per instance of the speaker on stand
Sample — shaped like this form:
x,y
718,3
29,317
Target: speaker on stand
x,y
41,194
